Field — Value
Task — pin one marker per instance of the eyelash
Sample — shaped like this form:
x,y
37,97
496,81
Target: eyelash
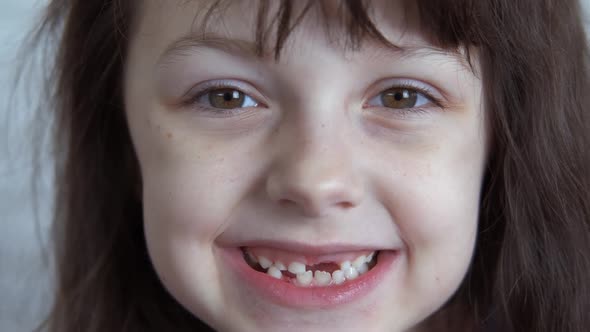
x,y
211,86
216,85
423,90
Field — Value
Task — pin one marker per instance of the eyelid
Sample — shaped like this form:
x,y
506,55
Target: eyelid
x,y
204,87
427,90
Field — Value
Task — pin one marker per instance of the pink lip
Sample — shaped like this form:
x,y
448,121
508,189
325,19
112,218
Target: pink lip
x,y
289,295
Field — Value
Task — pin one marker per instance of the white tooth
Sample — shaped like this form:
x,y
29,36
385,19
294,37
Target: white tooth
x,y
322,278
370,257
279,265
274,272
363,268
338,277
351,273
344,265
264,262
304,279
359,261
296,268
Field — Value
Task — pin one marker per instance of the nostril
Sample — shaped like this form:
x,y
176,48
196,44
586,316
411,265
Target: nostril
x,y
346,205
314,196
285,202
309,206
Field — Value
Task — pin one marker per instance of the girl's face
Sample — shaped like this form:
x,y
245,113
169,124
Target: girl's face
x,y
333,190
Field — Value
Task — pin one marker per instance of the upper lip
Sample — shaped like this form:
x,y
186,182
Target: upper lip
x,y
306,248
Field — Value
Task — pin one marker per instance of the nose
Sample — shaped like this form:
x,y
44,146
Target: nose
x,y
316,176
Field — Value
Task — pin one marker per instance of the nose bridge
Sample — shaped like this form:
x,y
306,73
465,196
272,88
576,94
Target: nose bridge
x,y
313,170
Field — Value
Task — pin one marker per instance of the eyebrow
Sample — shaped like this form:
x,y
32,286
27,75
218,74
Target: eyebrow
x,y
246,48
233,46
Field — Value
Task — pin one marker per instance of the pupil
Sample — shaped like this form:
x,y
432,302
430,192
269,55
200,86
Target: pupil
x,y
399,98
228,96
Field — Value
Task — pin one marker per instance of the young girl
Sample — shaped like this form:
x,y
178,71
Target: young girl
x,y
321,165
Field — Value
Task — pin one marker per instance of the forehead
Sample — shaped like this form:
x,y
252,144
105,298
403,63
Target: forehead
x,y
234,26
227,15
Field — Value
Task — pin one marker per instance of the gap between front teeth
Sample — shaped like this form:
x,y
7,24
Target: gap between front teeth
x,y
349,270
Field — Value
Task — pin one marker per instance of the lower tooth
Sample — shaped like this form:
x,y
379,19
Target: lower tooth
x,y
304,279
322,278
338,277
274,272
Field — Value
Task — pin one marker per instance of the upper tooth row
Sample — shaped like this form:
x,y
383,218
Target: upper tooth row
x,y
297,267
348,270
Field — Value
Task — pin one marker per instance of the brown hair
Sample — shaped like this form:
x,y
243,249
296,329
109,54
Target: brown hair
x,y
531,267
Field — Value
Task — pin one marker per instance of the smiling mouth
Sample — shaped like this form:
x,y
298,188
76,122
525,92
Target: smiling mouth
x,y
310,272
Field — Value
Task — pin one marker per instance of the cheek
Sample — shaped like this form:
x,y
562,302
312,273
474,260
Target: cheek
x,y
439,226
190,198
439,207
434,202
186,182
437,212
187,200
437,221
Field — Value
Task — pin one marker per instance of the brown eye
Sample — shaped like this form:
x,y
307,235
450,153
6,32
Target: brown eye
x,y
400,98
226,98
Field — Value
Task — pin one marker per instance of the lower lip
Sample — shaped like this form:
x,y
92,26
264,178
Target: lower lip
x,y
289,295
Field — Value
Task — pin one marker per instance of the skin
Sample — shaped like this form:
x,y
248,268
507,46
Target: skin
x,y
317,161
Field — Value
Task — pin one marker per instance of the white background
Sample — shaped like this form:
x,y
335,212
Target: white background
x,y
24,273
